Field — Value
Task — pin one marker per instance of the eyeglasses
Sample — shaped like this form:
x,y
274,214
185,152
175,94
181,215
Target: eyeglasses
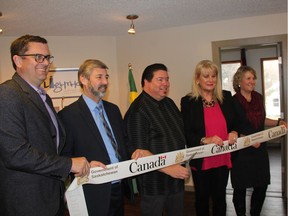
x,y
39,58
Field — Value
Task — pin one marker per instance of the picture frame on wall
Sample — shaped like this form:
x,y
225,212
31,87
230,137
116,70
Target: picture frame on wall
x,y
62,86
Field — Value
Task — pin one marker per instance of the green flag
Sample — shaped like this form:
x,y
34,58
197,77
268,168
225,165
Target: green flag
x,y
133,90
132,95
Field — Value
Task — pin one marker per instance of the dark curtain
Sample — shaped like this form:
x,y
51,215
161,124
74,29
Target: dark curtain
x,y
243,57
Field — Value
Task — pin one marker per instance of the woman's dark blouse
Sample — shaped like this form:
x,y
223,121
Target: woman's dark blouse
x,y
156,126
250,166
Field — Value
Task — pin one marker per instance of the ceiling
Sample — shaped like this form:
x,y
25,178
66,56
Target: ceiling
x,y
108,17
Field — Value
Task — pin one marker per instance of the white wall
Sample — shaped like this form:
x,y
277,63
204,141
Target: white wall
x,y
178,48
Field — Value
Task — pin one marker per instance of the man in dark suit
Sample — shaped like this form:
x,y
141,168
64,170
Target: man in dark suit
x,y
95,129
32,173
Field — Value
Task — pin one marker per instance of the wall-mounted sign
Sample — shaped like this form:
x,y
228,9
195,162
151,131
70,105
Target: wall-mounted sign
x,y
63,86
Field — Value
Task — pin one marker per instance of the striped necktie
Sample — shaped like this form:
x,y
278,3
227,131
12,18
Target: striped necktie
x,y
108,131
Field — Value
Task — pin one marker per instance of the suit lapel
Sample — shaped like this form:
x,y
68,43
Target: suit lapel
x,y
198,111
62,133
32,95
35,98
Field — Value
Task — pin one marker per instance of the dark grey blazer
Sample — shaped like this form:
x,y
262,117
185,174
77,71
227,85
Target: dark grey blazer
x,y
31,172
84,139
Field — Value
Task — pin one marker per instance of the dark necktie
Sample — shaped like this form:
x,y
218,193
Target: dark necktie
x,y
108,131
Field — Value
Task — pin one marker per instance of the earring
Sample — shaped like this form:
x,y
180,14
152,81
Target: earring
x,y
239,86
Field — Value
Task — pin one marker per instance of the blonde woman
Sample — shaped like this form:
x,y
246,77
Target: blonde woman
x,y
209,118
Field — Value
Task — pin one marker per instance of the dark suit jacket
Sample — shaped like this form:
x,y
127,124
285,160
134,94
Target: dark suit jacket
x,y
84,139
193,117
31,172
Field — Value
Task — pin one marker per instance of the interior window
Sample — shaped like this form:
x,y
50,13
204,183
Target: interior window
x,y
228,69
271,87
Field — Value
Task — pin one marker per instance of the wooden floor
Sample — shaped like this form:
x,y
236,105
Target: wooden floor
x,y
274,204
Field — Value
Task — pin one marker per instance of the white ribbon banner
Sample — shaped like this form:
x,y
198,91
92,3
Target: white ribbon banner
x,y
75,195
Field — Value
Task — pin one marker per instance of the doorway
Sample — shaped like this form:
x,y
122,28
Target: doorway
x,y
262,47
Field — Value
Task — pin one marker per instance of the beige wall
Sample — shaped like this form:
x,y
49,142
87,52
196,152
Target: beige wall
x,y
183,47
70,52
178,48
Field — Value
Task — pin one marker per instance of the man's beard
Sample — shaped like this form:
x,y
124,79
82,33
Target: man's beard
x,y
96,92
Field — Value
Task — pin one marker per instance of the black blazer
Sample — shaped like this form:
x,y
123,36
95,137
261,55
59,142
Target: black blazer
x,y
84,139
31,173
193,116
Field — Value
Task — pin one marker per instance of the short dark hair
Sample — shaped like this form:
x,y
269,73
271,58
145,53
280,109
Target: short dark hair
x,y
148,73
20,45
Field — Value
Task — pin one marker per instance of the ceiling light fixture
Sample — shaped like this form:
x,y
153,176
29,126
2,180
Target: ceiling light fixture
x,y
132,17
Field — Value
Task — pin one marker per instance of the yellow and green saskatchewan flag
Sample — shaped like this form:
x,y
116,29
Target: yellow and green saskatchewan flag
x,y
132,95
133,90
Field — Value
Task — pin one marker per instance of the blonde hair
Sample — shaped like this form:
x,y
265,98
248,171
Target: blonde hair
x,y
238,76
196,90
87,66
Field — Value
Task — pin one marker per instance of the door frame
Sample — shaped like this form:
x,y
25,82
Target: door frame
x,y
258,41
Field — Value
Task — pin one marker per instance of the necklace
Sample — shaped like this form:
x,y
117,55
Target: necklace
x,y
208,104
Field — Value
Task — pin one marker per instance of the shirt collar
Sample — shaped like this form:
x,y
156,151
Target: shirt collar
x,y
39,90
153,100
90,103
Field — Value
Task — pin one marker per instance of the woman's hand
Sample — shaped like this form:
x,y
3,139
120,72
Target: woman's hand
x,y
214,139
256,145
281,122
232,137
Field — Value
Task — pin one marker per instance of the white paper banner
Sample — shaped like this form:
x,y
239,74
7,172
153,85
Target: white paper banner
x,y
75,196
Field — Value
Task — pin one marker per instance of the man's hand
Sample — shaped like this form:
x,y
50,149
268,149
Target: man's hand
x,y
80,166
176,171
138,153
97,164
